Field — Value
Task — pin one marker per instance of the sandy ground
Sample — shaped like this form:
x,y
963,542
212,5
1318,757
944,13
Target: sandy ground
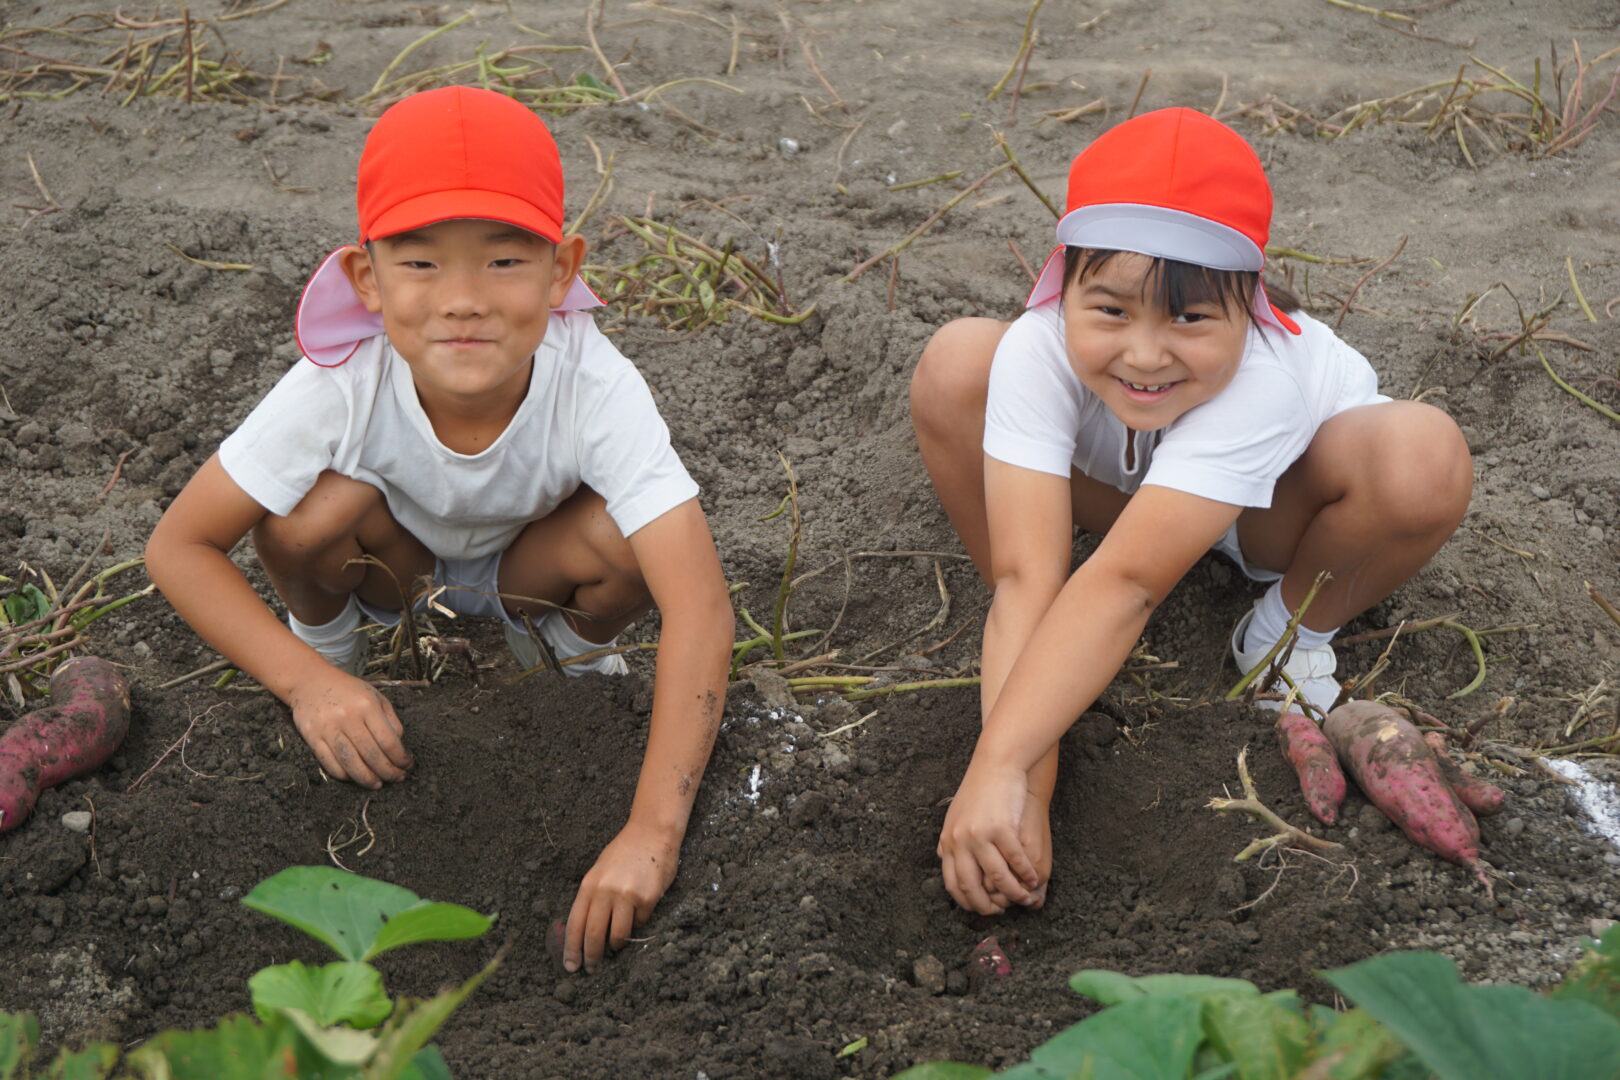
x,y
804,906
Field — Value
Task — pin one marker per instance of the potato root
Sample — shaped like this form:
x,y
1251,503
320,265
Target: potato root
x,y
1482,798
85,722
1399,774
1321,780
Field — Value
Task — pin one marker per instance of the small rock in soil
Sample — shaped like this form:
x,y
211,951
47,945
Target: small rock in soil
x,y
928,972
774,691
1372,819
77,820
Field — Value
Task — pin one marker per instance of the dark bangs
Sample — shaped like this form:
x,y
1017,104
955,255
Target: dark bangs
x,y
1171,285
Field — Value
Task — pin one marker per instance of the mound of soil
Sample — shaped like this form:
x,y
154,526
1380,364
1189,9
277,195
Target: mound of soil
x,y
808,912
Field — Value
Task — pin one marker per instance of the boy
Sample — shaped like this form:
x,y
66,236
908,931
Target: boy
x,y
460,417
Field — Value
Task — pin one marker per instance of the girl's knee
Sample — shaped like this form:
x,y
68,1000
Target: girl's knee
x,y
1425,473
953,373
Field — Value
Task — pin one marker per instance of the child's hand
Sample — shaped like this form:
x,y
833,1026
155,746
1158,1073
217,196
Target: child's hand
x,y
620,892
351,728
981,850
1035,833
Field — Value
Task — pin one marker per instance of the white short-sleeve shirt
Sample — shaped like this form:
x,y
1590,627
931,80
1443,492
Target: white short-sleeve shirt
x,y
588,418
1231,448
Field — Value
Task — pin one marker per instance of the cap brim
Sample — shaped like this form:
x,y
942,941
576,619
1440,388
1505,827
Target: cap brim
x,y
437,206
1161,232
1049,286
332,322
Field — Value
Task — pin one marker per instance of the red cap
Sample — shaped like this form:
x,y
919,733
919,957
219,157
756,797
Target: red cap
x,y
1171,184
459,152
435,156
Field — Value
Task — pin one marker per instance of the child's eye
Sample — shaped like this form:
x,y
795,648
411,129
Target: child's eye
x,y
1191,317
418,264
506,263
1111,311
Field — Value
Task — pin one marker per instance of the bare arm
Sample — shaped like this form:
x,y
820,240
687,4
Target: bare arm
x,y
1075,650
682,571
349,726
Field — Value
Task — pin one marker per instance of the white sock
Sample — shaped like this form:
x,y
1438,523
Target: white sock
x,y
566,642
1270,622
335,640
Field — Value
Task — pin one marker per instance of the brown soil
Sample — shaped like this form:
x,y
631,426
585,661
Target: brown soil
x,y
808,891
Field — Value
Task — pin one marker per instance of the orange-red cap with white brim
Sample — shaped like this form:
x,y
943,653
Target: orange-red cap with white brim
x,y
1170,184
456,152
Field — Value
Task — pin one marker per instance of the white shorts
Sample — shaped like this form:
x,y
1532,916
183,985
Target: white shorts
x,y
1228,545
468,587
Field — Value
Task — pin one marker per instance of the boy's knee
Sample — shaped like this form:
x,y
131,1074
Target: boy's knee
x,y
336,508
601,534
953,374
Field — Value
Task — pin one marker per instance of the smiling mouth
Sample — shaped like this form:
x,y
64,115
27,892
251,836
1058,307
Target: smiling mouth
x,y
1147,389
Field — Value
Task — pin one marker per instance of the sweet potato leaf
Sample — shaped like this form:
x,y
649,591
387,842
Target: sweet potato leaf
x,y
1150,1038
1466,1032
340,993
1264,1039
1113,988
1595,978
94,1062
19,1038
355,915
944,1070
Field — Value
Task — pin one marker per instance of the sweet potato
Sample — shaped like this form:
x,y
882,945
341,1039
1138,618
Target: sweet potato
x,y
80,729
1397,771
1321,780
1482,798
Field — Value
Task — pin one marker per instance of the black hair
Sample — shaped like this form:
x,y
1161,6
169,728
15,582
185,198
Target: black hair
x,y
1175,286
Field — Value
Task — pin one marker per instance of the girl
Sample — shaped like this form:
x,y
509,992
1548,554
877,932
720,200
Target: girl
x,y
1153,393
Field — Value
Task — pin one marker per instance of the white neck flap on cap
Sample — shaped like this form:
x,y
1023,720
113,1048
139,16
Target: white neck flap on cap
x,y
332,322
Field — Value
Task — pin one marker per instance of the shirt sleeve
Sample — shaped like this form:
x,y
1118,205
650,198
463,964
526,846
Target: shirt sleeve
x,y
1234,447
1032,415
624,448
289,438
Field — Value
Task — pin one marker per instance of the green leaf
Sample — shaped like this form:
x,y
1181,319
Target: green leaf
x,y
19,1038
854,1048
411,1027
25,605
338,1045
1151,1038
94,1062
428,1064
706,295
1358,1044
1265,1040
339,993
1467,1032
1595,978
356,915
1112,988
944,1070
238,1049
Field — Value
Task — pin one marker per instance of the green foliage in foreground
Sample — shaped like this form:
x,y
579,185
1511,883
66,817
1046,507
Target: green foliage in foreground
x,y
326,1023
1415,1019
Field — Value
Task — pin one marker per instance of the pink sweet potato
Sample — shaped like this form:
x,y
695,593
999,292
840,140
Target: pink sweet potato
x,y
80,729
1482,798
1321,780
1398,773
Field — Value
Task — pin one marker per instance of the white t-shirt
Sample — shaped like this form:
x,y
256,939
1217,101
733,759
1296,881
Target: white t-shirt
x,y
1231,448
588,418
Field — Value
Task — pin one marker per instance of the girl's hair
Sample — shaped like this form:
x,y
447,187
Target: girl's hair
x,y
1174,286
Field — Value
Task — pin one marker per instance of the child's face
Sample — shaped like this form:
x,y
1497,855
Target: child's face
x,y
1147,365
465,302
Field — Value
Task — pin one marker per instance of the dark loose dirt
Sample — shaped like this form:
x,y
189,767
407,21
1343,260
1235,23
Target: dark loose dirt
x,y
808,912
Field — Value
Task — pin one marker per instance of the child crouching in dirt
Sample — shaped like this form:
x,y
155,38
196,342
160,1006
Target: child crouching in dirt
x,y
1151,392
459,416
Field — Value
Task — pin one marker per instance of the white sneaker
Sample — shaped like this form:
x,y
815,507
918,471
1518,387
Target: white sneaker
x,y
1311,669
564,644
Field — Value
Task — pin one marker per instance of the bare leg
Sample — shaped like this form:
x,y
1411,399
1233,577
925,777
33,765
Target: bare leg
x,y
307,554
575,556
1376,494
